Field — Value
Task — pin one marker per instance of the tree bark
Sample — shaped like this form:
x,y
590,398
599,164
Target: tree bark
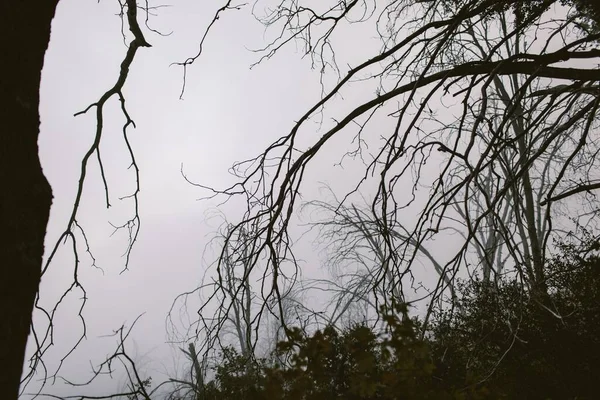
x,y
25,195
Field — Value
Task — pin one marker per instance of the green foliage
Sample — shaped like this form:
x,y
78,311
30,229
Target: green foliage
x,y
500,341
327,365
514,344
239,377
236,377
355,364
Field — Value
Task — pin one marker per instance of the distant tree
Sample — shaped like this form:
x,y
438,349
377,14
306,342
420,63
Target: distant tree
x,y
515,142
228,327
355,255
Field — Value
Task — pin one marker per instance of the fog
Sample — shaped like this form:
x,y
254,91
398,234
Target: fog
x,y
228,112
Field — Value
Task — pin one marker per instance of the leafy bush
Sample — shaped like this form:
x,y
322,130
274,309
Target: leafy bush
x,y
499,341
512,344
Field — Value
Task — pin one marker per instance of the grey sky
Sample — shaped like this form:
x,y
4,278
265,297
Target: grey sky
x,y
229,113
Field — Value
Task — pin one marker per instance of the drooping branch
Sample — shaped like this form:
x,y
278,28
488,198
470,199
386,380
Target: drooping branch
x,y
480,139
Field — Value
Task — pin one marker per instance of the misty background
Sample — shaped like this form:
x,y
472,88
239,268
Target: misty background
x,y
229,112
233,102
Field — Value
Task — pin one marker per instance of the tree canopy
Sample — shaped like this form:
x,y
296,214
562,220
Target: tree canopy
x,y
471,134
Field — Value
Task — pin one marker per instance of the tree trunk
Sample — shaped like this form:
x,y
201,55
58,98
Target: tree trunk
x,y
25,195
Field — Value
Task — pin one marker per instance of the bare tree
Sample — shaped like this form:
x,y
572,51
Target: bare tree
x,y
487,130
511,134
232,315
515,233
192,386
356,253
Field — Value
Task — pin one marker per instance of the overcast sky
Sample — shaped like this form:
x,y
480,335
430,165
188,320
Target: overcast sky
x,y
229,113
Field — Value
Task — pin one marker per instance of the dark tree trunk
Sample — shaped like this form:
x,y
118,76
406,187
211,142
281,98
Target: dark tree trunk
x,y
25,195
